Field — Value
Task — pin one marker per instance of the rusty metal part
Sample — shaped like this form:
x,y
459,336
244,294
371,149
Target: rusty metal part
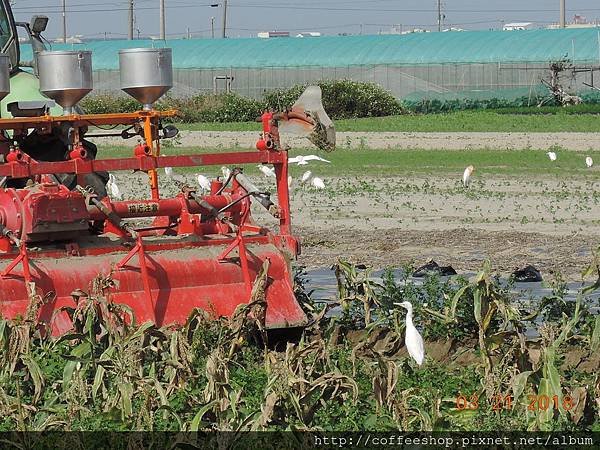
x,y
264,198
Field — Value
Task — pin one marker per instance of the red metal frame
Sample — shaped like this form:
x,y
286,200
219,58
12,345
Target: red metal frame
x,y
146,157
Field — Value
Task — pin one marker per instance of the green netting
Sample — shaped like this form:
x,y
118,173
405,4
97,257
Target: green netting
x,y
532,46
590,96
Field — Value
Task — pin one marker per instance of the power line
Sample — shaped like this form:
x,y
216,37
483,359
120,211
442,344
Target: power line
x,y
283,6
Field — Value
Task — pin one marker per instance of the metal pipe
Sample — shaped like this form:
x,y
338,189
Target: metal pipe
x,y
166,207
562,14
263,198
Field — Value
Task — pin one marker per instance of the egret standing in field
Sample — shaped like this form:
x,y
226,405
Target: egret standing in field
x,y
169,172
306,176
413,340
318,183
552,156
267,171
467,176
203,182
302,160
226,171
113,188
589,162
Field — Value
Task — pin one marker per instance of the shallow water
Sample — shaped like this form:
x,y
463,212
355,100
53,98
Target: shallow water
x,y
324,284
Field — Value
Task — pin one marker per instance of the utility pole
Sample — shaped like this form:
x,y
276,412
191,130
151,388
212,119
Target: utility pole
x,y
439,5
224,34
130,30
562,14
163,34
64,14
212,27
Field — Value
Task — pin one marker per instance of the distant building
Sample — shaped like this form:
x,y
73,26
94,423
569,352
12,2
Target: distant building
x,y
578,22
77,39
416,30
273,34
309,34
514,26
398,29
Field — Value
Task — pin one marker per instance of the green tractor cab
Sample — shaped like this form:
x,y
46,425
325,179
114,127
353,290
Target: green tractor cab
x,y
26,100
24,85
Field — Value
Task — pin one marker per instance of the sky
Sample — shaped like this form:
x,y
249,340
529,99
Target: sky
x,y
108,18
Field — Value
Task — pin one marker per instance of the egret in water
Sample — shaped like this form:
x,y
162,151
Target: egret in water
x,y
267,171
302,160
412,340
113,188
226,171
467,176
552,156
203,182
589,161
306,176
318,183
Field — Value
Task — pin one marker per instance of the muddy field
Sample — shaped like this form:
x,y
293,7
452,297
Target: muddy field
x,y
401,140
513,221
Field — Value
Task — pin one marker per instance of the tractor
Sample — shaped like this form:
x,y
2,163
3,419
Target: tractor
x,y
62,236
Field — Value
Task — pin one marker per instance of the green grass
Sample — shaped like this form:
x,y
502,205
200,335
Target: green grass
x,y
554,120
374,163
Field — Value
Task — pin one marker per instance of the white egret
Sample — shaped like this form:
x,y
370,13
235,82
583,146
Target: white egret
x,y
226,171
290,181
302,160
467,176
552,156
267,171
203,182
413,340
113,188
318,183
589,161
306,176
169,172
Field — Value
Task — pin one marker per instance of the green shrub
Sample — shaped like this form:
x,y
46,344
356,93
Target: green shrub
x,y
428,106
342,99
226,108
521,105
199,108
105,103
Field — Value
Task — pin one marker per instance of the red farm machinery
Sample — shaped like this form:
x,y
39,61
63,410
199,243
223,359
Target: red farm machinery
x,y
59,230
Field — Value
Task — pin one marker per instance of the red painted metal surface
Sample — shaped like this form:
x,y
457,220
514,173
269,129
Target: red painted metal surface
x,y
180,280
200,251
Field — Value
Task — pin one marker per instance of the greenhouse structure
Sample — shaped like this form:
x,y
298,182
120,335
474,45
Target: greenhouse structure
x,y
471,64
